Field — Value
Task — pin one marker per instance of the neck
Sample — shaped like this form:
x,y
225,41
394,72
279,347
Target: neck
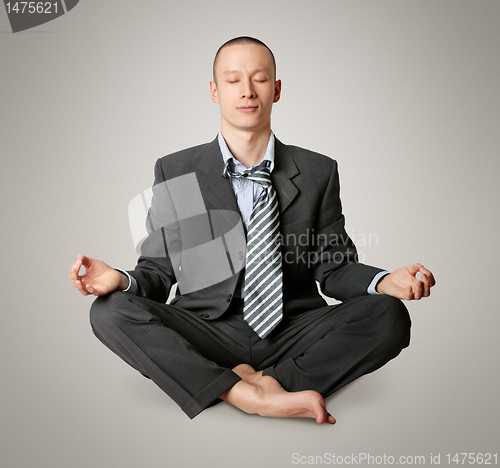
x,y
249,148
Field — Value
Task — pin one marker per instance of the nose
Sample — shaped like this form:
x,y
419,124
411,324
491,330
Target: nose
x,y
247,89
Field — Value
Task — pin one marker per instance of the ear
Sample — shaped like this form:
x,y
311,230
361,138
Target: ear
x,y
277,91
213,92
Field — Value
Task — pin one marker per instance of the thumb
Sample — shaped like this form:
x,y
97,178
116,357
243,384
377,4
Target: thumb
x,y
89,265
86,261
414,269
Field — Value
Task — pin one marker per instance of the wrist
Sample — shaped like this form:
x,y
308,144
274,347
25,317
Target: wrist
x,y
379,287
123,281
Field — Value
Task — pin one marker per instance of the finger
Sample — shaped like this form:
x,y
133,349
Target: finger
x,y
330,419
418,290
86,261
414,269
414,282
73,275
409,294
78,285
75,268
429,275
427,285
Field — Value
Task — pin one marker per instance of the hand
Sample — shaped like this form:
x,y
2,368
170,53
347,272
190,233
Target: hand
x,y
403,284
99,278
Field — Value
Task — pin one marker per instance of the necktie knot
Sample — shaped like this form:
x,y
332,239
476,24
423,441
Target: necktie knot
x,y
259,174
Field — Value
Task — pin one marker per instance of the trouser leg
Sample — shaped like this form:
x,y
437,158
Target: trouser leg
x,y
325,349
153,338
191,359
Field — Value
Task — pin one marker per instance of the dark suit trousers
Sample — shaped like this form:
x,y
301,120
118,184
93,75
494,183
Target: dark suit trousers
x,y
191,359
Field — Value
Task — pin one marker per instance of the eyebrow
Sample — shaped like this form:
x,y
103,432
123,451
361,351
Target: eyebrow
x,y
260,70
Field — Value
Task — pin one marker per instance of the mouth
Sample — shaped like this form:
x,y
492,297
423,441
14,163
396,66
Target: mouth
x,y
247,108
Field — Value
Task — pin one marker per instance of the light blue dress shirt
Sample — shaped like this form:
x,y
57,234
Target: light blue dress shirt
x,y
246,191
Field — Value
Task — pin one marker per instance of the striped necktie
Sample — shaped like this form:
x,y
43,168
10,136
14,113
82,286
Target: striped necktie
x,y
263,286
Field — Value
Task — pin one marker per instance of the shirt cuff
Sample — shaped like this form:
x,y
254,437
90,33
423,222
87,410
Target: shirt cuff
x,y
375,280
133,286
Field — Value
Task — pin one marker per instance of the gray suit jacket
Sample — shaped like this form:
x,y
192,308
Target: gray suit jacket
x,y
316,246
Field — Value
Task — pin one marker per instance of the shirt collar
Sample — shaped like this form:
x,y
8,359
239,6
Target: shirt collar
x,y
226,154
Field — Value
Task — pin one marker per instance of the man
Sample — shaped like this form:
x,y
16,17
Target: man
x,y
262,339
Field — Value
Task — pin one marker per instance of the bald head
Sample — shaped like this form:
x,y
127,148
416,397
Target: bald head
x,y
242,41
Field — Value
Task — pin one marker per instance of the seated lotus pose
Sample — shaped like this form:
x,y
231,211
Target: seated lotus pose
x,y
246,227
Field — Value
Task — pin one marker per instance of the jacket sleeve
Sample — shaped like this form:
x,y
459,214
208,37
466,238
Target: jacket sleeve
x,y
337,269
154,271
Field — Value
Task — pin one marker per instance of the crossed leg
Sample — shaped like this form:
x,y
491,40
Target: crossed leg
x,y
198,363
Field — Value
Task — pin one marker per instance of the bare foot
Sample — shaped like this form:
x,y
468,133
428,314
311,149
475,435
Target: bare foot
x,y
263,395
247,372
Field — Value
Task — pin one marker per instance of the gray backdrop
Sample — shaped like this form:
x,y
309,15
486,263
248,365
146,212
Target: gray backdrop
x,y
404,94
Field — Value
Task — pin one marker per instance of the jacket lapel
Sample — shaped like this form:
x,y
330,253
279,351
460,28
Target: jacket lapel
x,y
217,189
284,169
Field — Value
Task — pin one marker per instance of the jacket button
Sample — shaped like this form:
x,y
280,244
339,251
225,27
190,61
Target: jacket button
x,y
204,316
229,297
240,255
